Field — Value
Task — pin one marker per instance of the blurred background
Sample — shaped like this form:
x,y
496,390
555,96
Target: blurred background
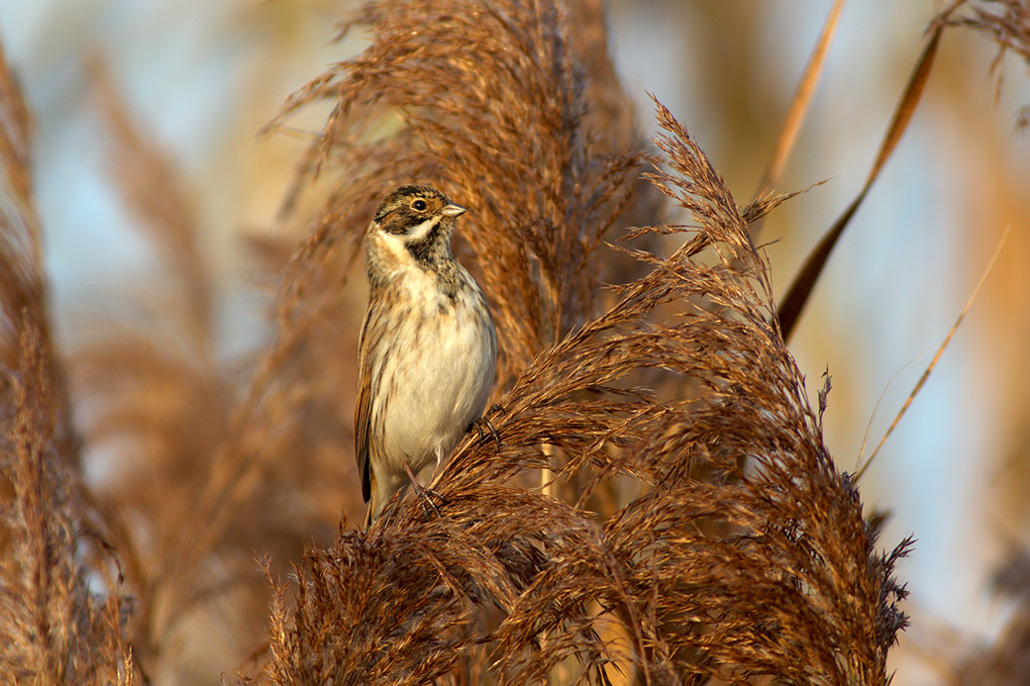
x,y
204,77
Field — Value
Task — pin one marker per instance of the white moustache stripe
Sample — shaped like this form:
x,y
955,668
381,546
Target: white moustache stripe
x,y
419,232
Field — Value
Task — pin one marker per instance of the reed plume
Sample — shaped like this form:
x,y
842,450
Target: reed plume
x,y
657,505
54,629
736,541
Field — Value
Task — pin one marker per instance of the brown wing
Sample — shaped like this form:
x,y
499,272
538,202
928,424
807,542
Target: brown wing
x,y
362,410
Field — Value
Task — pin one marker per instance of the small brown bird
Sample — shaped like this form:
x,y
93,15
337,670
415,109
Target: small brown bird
x,y
427,349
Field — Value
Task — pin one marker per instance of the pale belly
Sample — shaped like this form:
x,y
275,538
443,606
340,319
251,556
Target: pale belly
x,y
433,403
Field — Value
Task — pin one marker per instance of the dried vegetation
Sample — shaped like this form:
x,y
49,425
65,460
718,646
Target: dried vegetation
x,y
660,507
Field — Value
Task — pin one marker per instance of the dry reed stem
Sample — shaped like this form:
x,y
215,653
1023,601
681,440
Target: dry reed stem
x,y
793,304
799,104
933,363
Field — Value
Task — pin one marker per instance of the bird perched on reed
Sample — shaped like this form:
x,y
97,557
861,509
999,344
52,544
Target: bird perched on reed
x,y
427,348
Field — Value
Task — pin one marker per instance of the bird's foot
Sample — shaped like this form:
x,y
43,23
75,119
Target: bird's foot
x,y
425,496
479,424
485,421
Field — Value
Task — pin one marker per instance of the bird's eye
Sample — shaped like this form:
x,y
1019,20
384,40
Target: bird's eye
x,y
418,205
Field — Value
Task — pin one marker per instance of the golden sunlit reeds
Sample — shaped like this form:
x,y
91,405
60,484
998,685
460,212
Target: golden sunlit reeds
x,y
398,605
693,529
739,574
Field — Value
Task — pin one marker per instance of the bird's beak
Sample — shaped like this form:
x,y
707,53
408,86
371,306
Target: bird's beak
x,y
453,210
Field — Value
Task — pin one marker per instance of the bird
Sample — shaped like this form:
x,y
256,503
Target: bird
x,y
427,349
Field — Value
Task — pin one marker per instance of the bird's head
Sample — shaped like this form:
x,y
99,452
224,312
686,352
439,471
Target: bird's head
x,y
413,223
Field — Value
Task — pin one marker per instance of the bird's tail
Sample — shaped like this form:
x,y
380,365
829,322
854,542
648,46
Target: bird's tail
x,y
368,513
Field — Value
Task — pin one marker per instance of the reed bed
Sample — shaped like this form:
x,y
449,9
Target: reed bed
x,y
658,505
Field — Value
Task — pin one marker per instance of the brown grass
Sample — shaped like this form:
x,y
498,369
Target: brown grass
x,y
661,507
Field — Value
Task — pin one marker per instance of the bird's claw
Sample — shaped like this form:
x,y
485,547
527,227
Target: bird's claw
x,y
484,421
425,498
425,495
